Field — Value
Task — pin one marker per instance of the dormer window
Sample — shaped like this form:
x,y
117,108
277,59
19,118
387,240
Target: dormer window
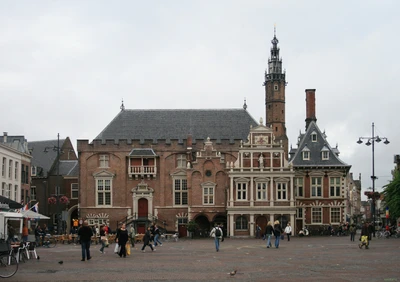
x,y
314,136
306,155
325,155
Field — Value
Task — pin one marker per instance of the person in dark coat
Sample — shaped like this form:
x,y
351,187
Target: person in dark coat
x,y
269,230
85,234
365,233
371,230
146,240
122,239
277,232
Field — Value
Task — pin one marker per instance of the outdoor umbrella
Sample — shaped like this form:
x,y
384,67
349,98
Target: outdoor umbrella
x,y
34,215
12,204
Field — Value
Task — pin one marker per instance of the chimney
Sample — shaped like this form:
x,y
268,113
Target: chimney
x,y
5,137
189,142
310,106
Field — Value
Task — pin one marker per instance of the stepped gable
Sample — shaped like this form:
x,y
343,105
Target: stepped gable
x,y
315,149
218,124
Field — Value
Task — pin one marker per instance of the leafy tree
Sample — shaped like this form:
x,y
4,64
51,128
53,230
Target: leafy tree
x,y
392,196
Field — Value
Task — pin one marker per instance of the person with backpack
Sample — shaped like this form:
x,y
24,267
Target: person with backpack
x,y
217,234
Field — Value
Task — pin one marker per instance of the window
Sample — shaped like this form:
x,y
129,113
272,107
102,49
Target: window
x,y
299,213
208,195
335,215
103,188
8,192
27,175
182,220
33,170
316,186
316,215
306,155
3,189
33,192
276,87
15,192
23,174
180,191
104,161
299,183
74,191
16,171
241,189
314,137
325,155
241,223
281,191
181,161
334,187
262,191
10,169
3,167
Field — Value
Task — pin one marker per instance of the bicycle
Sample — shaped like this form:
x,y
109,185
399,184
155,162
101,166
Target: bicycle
x,y
383,234
49,241
8,262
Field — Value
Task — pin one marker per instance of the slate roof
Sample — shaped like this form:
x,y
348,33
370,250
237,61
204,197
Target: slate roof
x,y
43,161
18,143
69,168
142,153
218,124
315,149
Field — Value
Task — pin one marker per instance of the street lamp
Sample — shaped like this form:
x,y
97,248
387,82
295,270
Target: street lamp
x,y
58,188
371,141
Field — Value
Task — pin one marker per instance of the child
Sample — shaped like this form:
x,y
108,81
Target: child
x,y
364,236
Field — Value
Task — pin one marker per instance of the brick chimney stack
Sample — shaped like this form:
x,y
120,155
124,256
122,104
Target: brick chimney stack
x,y
310,107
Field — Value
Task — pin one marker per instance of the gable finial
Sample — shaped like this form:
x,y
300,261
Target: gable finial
x,y
274,29
122,106
244,105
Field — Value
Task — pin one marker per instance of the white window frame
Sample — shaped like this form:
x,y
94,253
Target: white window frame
x,y
16,172
102,190
281,191
325,155
74,189
335,185
241,222
241,191
10,169
262,191
315,213
316,187
335,213
104,161
15,193
276,87
180,191
33,170
314,137
8,191
3,189
306,155
3,167
181,161
299,213
208,195
299,186
33,193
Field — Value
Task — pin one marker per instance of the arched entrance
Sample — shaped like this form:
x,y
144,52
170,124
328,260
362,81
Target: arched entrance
x,y
72,216
262,221
203,226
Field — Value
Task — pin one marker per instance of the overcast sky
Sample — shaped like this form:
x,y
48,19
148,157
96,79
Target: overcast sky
x,y
65,66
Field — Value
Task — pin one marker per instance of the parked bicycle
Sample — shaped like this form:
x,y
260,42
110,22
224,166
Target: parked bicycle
x,y
49,241
8,262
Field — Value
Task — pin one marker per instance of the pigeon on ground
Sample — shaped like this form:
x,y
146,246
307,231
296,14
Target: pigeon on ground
x,y
38,257
232,273
60,262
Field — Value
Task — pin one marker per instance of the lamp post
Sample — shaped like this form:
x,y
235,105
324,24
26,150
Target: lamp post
x,y
371,141
58,187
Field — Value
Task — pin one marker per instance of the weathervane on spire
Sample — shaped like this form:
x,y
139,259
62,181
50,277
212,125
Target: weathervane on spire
x,y
244,105
122,105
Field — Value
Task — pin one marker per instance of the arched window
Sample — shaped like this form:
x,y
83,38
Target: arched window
x,y
241,223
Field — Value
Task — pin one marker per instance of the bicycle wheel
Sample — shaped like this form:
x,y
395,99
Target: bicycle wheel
x,y
8,266
51,243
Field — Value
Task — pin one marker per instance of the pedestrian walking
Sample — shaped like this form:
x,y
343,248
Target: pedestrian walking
x,y
122,240
352,230
277,232
218,235
103,239
258,232
156,235
146,240
132,235
85,234
364,237
116,248
269,230
288,231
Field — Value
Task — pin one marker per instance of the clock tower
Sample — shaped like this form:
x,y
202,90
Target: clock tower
x,y
275,84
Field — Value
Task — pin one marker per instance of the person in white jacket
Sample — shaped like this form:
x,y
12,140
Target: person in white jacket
x,y
288,231
217,234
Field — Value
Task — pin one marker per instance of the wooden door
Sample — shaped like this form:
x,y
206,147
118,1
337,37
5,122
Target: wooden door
x,y
142,207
